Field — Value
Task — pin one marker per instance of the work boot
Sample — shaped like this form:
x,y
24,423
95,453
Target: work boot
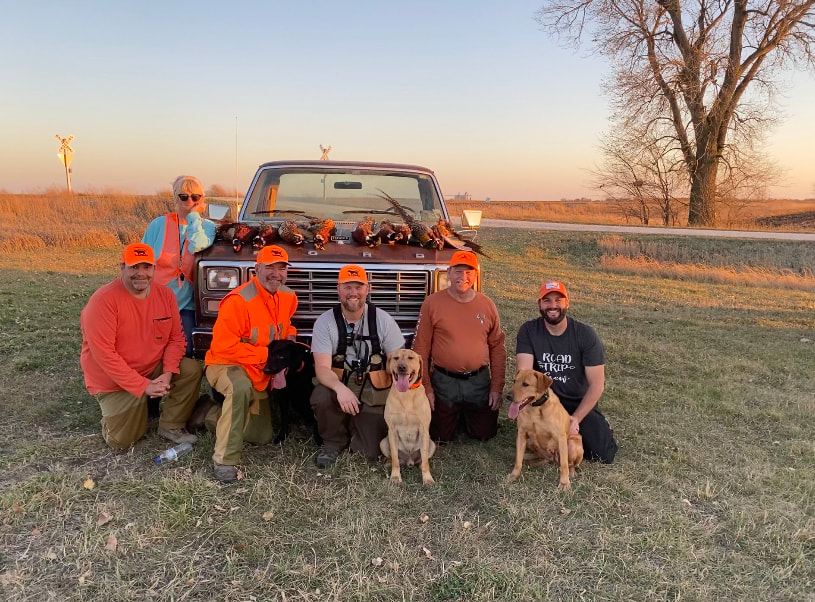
x,y
224,473
327,457
199,413
177,435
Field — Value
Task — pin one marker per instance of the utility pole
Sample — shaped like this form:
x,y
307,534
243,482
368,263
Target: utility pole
x,y
236,160
66,155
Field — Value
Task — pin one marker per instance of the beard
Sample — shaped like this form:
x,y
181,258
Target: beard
x,y
272,285
352,304
554,320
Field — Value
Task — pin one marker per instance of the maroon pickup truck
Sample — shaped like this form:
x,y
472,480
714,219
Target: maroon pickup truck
x,y
401,275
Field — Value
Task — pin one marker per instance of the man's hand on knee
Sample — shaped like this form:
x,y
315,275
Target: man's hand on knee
x,y
157,388
347,400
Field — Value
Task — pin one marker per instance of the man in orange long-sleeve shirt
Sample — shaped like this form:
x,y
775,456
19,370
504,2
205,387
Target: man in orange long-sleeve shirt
x,y
462,346
132,347
249,318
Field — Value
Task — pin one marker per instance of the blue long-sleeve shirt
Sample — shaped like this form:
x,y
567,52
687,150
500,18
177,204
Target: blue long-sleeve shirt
x,y
202,235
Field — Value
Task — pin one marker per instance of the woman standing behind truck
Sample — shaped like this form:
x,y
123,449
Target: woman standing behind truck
x,y
175,239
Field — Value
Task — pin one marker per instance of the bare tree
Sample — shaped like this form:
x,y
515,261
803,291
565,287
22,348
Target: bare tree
x,y
640,173
743,182
704,68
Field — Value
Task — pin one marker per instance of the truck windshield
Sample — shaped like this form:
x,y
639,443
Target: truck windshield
x,y
342,195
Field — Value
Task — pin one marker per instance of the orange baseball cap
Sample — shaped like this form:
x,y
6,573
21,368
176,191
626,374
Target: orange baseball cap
x,y
467,258
352,273
138,252
553,287
273,254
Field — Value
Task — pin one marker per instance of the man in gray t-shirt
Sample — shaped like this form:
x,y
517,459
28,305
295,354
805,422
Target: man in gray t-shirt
x,y
349,408
572,354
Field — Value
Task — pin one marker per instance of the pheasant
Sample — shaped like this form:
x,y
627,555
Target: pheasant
x,y
242,236
387,232
421,234
364,235
321,229
225,230
444,230
290,233
267,234
402,234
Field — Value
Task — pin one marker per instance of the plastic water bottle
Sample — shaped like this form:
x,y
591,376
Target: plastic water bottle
x,y
173,453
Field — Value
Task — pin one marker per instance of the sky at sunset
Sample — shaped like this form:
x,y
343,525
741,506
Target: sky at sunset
x,y
473,90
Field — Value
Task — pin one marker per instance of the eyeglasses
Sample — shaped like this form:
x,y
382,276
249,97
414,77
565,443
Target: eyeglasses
x,y
186,197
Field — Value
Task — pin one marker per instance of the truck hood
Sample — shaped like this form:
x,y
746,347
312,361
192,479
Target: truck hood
x,y
350,252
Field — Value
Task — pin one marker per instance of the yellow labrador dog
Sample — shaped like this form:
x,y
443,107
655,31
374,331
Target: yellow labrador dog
x,y
543,426
407,413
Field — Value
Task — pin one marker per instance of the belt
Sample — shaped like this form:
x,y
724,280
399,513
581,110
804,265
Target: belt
x,y
461,375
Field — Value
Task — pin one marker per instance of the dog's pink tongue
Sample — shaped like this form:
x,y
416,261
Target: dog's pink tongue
x,y
279,379
514,410
402,382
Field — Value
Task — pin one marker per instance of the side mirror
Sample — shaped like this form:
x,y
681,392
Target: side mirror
x,y
470,218
217,212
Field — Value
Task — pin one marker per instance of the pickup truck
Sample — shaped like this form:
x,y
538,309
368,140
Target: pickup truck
x,y
401,275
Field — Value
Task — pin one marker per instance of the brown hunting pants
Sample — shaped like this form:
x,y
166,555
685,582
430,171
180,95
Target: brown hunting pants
x,y
244,416
362,433
124,416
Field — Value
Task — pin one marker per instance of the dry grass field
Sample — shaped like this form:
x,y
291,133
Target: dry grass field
x,y
709,392
799,214
107,221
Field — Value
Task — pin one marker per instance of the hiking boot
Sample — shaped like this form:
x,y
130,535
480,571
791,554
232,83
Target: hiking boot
x,y
327,457
199,413
177,435
224,473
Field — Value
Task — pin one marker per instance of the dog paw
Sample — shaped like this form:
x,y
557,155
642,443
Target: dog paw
x,y
427,480
511,477
395,478
564,485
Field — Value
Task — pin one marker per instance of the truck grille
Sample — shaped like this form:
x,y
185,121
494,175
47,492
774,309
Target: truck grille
x,y
398,292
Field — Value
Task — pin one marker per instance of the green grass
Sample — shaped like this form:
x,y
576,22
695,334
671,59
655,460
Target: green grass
x,y
712,496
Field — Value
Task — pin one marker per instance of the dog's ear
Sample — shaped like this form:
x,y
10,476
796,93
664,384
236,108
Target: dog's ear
x,y
544,382
389,360
421,366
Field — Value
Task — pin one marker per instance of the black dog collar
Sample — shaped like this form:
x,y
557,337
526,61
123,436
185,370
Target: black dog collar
x,y
542,400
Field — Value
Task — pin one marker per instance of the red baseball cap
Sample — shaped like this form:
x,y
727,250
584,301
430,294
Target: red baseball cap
x,y
138,252
553,287
273,254
467,258
352,273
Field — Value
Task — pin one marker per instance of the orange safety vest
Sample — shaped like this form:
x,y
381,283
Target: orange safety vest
x,y
174,262
261,319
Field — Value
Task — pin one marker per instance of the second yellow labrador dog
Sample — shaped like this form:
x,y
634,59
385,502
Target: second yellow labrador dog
x,y
543,426
407,413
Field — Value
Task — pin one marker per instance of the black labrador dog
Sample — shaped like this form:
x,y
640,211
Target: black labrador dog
x,y
292,368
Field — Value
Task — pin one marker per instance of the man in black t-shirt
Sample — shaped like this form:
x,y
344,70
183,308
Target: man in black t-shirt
x,y
572,354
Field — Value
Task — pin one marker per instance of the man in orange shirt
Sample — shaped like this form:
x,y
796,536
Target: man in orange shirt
x,y
462,346
249,318
132,348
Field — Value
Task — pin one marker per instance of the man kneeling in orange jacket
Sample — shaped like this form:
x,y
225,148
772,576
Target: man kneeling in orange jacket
x,y
249,318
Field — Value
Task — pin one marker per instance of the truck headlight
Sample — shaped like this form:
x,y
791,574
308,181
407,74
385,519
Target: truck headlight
x,y
441,280
222,279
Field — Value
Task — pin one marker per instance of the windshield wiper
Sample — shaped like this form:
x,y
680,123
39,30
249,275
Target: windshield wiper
x,y
280,211
390,211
